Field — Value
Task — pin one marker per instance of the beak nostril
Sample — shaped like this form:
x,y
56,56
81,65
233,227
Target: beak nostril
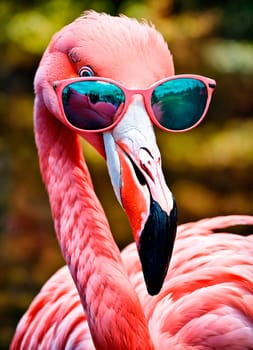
x,y
146,150
146,161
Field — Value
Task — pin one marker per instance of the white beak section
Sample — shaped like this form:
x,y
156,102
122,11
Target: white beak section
x,y
113,163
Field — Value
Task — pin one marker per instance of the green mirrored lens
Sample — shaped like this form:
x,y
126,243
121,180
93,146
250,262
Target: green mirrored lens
x,y
92,105
180,103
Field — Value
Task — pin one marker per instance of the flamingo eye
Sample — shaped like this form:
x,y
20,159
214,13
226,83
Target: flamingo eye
x,y
86,71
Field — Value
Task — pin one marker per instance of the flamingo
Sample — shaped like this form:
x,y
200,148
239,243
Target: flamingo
x,y
100,299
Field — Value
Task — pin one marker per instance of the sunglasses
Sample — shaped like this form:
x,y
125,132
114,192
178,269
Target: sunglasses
x,y
95,104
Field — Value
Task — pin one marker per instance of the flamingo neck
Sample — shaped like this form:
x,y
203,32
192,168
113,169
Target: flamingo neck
x,y
113,310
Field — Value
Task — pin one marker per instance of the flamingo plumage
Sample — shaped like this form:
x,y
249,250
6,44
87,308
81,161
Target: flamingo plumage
x,y
100,300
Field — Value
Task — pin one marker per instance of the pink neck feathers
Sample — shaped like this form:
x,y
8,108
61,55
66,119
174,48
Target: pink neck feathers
x,y
114,313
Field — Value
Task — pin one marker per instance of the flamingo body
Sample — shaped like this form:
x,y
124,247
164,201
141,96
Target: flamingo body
x,y
100,301
206,301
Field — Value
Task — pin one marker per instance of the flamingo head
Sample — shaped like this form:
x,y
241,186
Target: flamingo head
x,y
135,55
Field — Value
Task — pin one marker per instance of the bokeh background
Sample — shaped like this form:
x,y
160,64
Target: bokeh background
x,y
209,170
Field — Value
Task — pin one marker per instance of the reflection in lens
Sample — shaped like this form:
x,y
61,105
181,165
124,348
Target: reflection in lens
x,y
92,105
178,104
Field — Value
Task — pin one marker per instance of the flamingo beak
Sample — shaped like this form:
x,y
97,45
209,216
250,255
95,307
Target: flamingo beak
x,y
134,165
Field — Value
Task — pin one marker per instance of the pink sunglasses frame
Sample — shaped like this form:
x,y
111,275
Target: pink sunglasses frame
x,y
128,93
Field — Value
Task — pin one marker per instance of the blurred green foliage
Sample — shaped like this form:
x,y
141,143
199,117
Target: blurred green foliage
x,y
209,169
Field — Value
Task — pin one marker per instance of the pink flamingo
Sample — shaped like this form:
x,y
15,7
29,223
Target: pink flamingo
x,y
206,301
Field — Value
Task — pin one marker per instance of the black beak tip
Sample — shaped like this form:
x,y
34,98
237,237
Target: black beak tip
x,y
156,246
